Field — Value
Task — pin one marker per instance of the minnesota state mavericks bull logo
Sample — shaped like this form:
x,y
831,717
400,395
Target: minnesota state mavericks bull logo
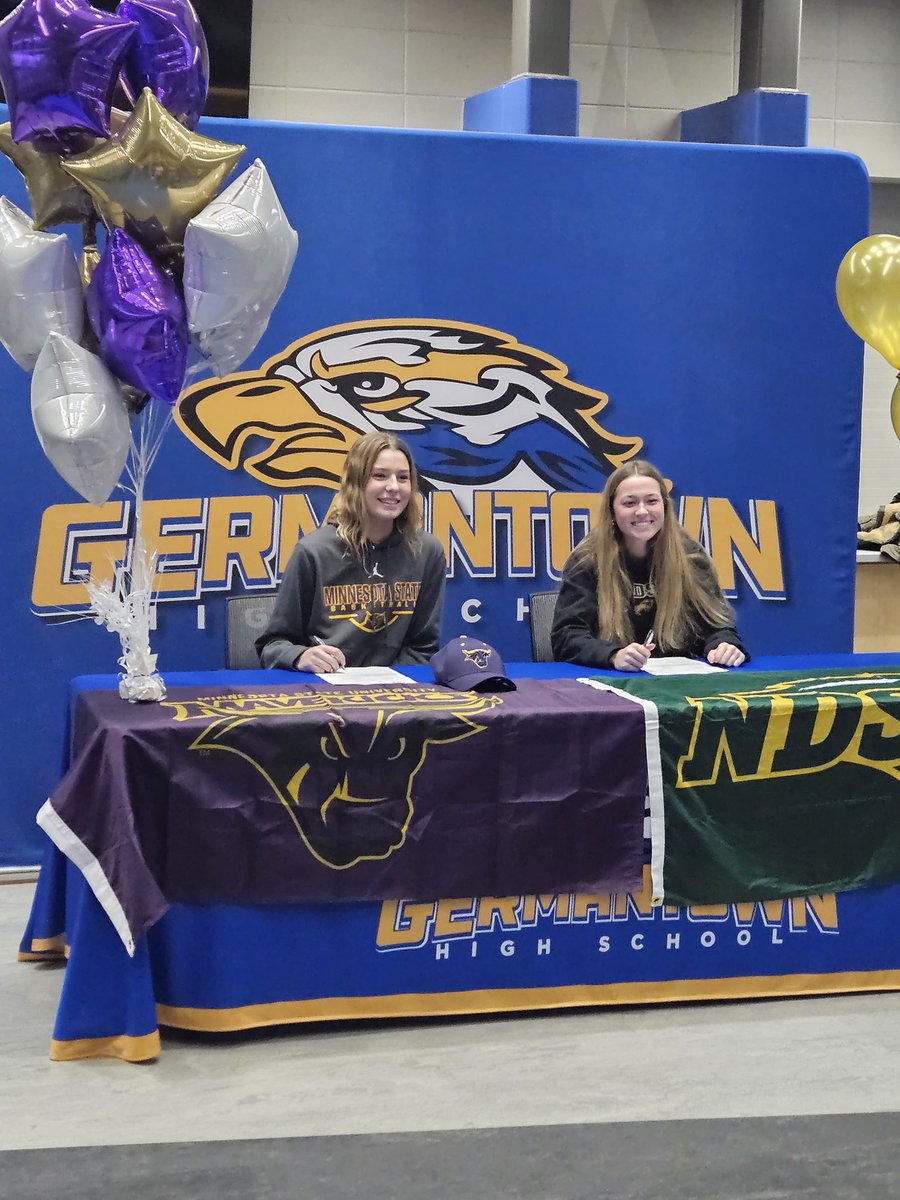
x,y
342,763
475,406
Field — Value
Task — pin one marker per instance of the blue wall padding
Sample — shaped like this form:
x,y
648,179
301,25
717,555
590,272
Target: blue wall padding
x,y
692,284
526,104
762,117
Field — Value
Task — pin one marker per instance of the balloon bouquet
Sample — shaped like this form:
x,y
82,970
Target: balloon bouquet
x,y
868,295
179,266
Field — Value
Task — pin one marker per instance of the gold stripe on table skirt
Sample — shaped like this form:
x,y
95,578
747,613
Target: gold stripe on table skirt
x,y
416,1004
45,948
130,1049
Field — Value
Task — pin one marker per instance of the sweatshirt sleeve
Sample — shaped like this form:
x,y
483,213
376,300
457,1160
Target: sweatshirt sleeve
x,y
575,634
423,635
286,635
710,636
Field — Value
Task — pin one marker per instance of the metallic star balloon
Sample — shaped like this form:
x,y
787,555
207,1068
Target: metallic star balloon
x,y
79,417
168,56
59,62
56,199
40,289
137,313
238,254
154,175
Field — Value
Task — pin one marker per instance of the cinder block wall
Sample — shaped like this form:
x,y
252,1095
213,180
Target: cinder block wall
x,y
639,63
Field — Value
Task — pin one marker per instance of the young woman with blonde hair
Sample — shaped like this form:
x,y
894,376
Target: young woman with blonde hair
x,y
365,589
638,584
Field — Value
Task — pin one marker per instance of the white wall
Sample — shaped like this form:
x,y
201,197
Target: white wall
x,y
879,477
638,62
411,63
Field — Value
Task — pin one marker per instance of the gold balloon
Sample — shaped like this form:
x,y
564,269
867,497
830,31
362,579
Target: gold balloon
x,y
88,263
56,199
868,293
154,175
895,408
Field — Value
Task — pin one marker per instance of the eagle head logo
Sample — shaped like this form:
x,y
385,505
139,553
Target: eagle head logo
x,y
475,406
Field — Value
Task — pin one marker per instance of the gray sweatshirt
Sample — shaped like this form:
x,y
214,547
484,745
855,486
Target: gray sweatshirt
x,y
382,608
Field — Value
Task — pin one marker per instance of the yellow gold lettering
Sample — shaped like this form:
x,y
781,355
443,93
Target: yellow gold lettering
x,y
708,912
521,507
587,902
761,555
546,905
402,923
823,910
453,917
503,907
76,538
297,519
450,526
159,541
692,509
239,532
563,506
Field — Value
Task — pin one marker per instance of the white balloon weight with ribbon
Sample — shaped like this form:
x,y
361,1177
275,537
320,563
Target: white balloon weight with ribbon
x,y
40,286
79,417
238,254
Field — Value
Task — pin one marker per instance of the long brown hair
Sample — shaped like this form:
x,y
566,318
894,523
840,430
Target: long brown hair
x,y
348,510
680,598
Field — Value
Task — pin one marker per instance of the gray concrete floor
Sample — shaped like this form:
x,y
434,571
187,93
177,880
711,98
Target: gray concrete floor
x,y
596,1072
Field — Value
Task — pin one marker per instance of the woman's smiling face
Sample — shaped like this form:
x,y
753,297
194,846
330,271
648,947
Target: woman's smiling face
x,y
639,512
387,493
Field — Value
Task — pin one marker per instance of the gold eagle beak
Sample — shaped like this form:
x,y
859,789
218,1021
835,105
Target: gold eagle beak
x,y
304,448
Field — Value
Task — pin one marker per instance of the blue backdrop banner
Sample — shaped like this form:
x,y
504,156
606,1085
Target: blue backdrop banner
x,y
528,312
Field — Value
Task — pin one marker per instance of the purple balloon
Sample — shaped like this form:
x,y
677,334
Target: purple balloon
x,y
168,56
59,61
138,315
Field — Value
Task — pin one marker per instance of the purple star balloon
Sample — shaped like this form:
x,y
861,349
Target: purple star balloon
x,y
59,61
168,56
138,315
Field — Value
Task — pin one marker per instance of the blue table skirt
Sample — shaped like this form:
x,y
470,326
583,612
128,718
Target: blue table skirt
x,y
220,968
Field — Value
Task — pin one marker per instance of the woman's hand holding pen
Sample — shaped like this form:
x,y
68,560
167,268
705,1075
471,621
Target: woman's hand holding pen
x,y
633,657
321,658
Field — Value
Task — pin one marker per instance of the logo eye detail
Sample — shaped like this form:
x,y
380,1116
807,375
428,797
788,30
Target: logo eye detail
x,y
373,385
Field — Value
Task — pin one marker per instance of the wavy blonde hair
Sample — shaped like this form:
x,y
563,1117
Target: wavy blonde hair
x,y
348,510
680,596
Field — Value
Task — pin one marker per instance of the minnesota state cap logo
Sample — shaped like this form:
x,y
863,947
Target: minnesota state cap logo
x,y
475,406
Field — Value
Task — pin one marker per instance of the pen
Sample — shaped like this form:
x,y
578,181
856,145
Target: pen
x,y
321,642
648,640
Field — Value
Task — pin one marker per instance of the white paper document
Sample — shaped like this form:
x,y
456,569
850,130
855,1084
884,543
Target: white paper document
x,y
679,666
356,676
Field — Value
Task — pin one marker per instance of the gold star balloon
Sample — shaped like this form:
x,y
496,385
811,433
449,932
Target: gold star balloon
x,y
154,175
56,199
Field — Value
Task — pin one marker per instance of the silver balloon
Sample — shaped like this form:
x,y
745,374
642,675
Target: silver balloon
x,y
40,286
238,254
79,417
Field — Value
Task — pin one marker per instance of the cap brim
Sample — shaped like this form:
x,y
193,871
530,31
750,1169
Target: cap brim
x,y
483,683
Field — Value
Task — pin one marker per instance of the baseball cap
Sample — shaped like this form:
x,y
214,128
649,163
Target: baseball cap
x,y
469,665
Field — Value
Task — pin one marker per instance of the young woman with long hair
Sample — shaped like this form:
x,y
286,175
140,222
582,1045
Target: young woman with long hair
x,y
365,589
639,583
